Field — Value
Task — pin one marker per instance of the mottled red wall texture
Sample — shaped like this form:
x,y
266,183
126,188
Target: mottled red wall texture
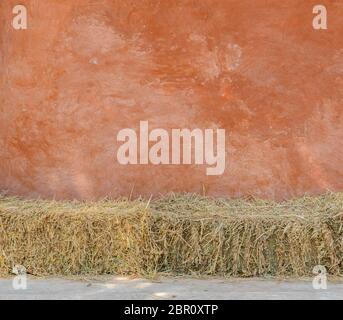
x,y
84,69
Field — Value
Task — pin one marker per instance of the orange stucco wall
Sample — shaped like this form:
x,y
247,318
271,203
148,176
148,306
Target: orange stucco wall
x,y
85,69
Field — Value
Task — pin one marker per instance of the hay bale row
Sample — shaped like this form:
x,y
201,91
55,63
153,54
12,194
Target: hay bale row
x,y
183,235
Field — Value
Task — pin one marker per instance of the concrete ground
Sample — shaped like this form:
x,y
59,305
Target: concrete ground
x,y
112,288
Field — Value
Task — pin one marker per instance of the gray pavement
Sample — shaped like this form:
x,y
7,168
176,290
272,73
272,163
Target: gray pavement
x,y
169,288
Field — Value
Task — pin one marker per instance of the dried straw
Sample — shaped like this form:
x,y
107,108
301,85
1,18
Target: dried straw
x,y
177,234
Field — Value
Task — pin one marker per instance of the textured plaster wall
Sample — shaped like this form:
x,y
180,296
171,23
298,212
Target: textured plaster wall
x,y
84,69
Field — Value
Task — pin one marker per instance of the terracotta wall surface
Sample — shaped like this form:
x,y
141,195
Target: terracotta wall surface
x,y
84,69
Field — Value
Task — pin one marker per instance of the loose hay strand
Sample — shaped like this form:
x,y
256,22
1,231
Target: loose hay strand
x,y
176,234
